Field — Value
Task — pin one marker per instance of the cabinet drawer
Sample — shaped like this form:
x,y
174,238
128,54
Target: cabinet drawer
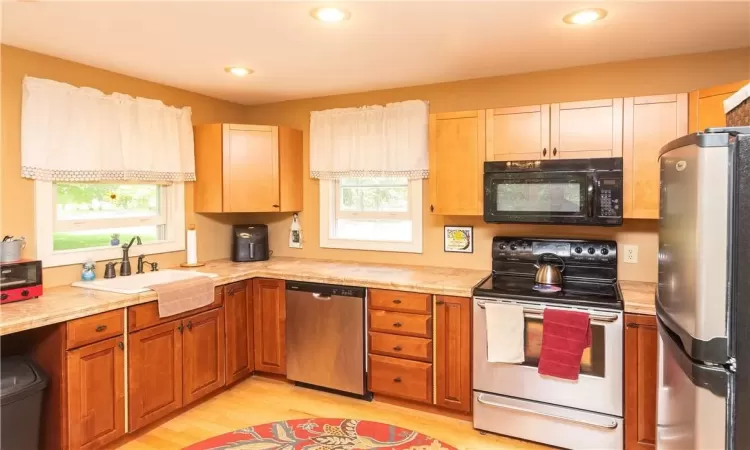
x,y
94,328
401,346
401,323
147,314
400,301
401,378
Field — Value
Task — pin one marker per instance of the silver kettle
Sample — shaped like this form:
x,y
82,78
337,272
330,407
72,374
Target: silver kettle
x,y
547,273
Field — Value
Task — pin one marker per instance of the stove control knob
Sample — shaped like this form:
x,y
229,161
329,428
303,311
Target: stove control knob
x,y
513,246
25,293
591,250
3,296
579,250
605,252
502,246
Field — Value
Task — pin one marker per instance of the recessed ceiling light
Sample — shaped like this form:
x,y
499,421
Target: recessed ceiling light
x,y
585,16
330,14
238,71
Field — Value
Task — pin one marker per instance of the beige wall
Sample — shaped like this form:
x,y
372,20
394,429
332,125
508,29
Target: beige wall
x,y
17,194
633,78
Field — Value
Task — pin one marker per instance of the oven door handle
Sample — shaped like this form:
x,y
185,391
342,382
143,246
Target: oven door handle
x,y
535,313
609,426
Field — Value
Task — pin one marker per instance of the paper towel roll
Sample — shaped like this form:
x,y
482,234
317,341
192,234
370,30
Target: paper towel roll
x,y
192,247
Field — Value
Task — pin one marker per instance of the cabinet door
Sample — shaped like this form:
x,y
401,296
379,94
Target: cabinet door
x,y
591,129
707,106
269,315
640,381
96,394
238,312
155,373
251,168
203,354
453,356
516,134
650,122
456,163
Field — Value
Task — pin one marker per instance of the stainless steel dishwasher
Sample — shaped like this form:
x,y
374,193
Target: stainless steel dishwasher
x,y
325,337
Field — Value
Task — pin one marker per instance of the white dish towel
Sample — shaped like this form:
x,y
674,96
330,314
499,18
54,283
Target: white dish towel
x,y
505,333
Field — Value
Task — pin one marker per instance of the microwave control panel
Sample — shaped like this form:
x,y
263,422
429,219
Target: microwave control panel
x,y
610,198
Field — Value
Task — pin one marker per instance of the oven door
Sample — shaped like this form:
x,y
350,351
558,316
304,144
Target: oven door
x,y
599,386
539,197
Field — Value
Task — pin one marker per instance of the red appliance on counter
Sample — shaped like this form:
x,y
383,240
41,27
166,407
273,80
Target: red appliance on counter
x,y
20,280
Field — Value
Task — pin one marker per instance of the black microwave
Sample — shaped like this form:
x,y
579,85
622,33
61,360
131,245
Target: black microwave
x,y
558,191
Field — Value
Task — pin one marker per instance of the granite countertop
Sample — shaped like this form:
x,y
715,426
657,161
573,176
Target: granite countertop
x,y
639,297
60,304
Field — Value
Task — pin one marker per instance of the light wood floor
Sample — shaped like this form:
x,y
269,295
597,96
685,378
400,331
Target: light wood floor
x,y
261,400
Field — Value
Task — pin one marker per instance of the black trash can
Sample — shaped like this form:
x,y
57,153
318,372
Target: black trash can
x,y
22,384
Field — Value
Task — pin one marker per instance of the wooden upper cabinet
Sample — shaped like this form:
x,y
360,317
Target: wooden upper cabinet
x,y
96,394
649,123
269,327
247,168
453,352
516,134
707,106
641,338
457,152
155,373
203,354
590,129
238,311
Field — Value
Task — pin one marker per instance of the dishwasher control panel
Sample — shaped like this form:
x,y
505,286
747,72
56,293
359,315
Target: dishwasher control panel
x,y
326,289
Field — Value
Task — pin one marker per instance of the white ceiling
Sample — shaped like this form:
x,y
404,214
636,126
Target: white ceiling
x,y
383,45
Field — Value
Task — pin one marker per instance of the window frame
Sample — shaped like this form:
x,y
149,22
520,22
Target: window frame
x,y
330,211
172,216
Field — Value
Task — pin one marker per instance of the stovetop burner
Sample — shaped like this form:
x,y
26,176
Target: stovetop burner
x,y
573,292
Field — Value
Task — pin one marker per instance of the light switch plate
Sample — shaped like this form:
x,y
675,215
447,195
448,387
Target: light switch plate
x,y
630,254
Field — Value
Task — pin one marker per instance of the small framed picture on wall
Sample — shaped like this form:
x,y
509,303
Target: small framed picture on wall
x,y
459,239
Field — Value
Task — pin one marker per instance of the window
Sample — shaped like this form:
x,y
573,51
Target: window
x,y
78,221
372,214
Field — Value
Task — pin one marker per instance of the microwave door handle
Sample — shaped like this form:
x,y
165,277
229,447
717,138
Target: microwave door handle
x,y
590,198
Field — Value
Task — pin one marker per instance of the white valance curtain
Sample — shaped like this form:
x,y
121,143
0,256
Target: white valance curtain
x,y
76,134
372,141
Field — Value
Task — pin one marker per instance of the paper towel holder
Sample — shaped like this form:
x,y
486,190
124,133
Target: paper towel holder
x,y
191,227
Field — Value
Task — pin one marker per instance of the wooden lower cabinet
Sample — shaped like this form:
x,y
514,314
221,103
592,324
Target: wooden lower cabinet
x,y
402,378
269,327
453,355
238,313
640,381
155,373
203,355
96,394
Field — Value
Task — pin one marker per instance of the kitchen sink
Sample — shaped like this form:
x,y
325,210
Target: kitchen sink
x,y
136,284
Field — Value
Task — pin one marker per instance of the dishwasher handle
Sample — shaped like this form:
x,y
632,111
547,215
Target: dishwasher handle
x,y
318,296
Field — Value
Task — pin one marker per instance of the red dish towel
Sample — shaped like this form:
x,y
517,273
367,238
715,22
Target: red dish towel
x,y
566,334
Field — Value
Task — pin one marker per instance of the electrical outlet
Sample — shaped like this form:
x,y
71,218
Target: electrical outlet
x,y
631,254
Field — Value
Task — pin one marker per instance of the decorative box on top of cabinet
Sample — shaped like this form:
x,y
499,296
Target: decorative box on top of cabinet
x,y
247,168
706,106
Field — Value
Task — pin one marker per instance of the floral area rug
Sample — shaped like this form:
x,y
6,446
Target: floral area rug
x,y
322,434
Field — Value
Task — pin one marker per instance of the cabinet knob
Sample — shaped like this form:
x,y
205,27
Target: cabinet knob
x,y
544,151
179,327
439,302
397,301
190,325
432,208
397,348
397,324
121,345
101,328
554,151
397,380
275,206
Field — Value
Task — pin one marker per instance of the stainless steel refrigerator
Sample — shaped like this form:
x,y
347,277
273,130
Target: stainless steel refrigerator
x,y
703,298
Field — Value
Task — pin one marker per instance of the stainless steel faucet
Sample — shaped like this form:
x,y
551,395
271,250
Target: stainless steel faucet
x,y
125,263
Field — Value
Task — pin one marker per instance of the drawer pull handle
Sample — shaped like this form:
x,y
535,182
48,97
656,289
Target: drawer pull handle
x,y
397,348
121,345
439,302
397,324
397,380
101,328
397,301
